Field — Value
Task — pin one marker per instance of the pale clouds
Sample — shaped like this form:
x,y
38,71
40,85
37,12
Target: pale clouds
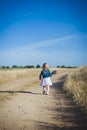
x,y
49,43
33,54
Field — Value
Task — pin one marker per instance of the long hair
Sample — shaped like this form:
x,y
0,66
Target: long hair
x,y
44,65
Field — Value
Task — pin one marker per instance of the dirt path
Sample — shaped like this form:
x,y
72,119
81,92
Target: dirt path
x,y
23,107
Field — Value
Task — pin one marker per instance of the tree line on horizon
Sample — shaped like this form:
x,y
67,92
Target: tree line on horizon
x,y
32,66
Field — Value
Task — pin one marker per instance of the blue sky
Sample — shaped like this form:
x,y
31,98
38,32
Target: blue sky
x,y
38,31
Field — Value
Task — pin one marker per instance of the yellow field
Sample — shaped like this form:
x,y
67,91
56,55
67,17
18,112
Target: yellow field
x,y
76,85
7,75
75,82
13,74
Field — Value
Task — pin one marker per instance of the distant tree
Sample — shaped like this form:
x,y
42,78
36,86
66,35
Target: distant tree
x,y
29,66
15,66
32,66
7,67
38,66
58,66
63,66
3,67
21,67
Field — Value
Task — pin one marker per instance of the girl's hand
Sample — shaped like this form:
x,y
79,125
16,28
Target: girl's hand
x,y
54,72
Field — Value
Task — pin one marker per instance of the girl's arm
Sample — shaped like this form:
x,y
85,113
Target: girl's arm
x,y
54,72
40,75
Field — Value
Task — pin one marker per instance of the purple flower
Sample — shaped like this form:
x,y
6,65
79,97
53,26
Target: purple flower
x,y
54,72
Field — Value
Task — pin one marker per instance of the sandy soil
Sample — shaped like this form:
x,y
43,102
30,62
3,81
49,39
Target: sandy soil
x,y
23,107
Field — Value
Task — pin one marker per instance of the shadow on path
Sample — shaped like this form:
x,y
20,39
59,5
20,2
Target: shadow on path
x,y
68,111
12,92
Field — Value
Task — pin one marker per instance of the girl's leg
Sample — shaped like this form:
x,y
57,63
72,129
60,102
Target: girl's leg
x,y
47,89
44,89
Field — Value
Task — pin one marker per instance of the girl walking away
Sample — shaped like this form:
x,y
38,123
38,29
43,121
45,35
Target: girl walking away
x,y
45,78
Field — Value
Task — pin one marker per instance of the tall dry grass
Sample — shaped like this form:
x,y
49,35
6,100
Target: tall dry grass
x,y
76,85
7,75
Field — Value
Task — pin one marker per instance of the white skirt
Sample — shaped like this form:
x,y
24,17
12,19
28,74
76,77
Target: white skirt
x,y
45,82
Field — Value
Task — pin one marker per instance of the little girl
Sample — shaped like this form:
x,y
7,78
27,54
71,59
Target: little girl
x,y
45,78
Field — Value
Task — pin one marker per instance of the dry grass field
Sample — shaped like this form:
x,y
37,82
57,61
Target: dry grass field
x,y
24,107
76,85
7,75
75,82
